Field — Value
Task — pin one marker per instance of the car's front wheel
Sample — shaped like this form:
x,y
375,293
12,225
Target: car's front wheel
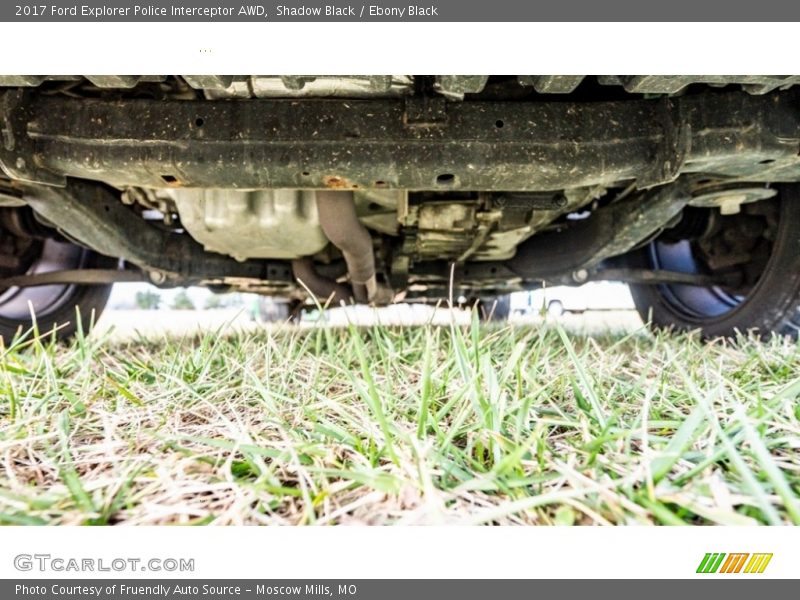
x,y
754,254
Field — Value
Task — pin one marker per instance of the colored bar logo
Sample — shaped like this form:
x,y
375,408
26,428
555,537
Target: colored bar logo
x,y
719,562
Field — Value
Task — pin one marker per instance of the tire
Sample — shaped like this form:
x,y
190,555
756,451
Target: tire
x,y
769,306
555,308
496,309
55,306
279,311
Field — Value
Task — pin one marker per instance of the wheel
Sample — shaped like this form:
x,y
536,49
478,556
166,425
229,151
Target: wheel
x,y
555,308
53,305
758,253
277,310
497,308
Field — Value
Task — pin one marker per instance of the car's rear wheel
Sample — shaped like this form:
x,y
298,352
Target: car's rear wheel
x,y
555,308
757,255
54,307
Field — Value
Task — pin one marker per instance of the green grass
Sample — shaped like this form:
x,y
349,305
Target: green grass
x,y
383,425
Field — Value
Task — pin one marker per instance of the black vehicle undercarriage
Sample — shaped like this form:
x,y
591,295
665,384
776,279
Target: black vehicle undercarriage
x,y
387,188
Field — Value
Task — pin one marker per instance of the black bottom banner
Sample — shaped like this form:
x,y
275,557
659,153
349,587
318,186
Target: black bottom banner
x,y
376,589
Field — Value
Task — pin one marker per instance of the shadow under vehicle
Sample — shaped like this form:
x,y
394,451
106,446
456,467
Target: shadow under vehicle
x,y
377,189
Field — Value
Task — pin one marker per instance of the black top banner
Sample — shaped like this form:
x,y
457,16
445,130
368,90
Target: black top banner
x,y
401,10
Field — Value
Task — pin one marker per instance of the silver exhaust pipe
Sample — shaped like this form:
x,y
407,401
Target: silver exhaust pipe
x,y
339,222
